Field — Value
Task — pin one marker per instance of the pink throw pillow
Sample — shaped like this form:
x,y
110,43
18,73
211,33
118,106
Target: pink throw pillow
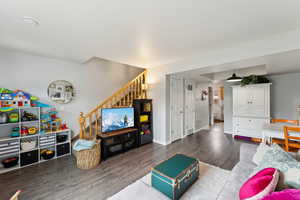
x,y
260,185
290,194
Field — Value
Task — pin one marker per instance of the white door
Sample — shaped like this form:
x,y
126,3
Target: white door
x,y
176,97
189,108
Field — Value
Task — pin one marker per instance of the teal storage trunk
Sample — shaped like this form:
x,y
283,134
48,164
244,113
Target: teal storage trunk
x,y
175,175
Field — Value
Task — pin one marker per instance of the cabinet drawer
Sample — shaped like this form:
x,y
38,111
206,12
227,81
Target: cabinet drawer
x,y
12,146
250,123
47,140
249,133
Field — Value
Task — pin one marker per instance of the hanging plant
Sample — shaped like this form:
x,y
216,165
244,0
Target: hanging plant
x,y
254,79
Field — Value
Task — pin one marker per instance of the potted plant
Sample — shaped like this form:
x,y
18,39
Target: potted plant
x,y
254,79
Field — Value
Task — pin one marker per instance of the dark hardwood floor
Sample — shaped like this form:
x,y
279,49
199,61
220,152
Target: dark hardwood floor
x,y
61,180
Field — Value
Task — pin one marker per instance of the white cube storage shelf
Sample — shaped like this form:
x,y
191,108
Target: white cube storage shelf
x,y
11,146
251,109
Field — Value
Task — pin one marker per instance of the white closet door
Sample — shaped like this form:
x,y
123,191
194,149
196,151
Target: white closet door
x,y
189,114
176,108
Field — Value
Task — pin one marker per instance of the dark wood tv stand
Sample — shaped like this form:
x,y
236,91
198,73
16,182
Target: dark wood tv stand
x,y
116,142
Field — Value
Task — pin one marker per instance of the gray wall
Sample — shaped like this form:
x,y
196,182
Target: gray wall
x,y
93,82
227,108
285,96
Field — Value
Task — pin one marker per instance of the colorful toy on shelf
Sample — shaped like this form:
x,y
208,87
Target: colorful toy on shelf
x,y
5,97
24,131
63,126
34,101
29,116
15,132
6,109
50,122
14,99
21,99
56,123
13,117
32,130
5,91
13,109
41,105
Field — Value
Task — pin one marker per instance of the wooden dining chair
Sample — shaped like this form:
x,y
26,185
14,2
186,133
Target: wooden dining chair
x,y
291,140
281,120
16,195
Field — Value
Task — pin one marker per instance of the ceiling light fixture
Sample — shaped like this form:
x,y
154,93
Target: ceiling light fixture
x,y
234,78
31,21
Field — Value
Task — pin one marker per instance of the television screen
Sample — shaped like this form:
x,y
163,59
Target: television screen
x,y
117,118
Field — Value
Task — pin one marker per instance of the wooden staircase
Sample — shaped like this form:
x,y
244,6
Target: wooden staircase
x,y
135,89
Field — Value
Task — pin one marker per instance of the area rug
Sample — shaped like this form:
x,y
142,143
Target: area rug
x,y
208,187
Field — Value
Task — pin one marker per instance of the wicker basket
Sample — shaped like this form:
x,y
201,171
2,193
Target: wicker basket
x,y
89,159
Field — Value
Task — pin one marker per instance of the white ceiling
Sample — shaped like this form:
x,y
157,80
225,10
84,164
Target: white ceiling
x,y
279,63
139,32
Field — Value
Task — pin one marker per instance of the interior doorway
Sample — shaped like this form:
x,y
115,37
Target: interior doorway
x,y
218,104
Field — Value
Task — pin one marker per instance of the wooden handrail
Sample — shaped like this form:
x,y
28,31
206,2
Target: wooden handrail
x,y
122,98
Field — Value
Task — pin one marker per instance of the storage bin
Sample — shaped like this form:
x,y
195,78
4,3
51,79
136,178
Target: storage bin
x,y
62,149
30,157
28,145
88,159
61,138
10,162
47,154
144,118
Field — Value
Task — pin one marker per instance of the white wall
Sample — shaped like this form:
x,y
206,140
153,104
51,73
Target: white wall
x,y
93,82
210,61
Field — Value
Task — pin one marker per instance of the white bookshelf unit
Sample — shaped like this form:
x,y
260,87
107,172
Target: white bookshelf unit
x,y
12,146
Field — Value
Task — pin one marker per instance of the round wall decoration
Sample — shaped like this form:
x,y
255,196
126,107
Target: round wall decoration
x,y
61,91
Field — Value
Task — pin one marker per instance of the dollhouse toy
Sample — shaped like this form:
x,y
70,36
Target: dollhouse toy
x,y
14,99
21,99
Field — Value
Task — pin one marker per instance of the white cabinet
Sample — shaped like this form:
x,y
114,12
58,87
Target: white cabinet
x,y
251,109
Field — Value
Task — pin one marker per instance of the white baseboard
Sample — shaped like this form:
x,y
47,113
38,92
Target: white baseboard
x,y
206,127
162,143
228,132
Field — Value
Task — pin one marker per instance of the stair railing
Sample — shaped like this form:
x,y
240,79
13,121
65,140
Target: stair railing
x,y
89,124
